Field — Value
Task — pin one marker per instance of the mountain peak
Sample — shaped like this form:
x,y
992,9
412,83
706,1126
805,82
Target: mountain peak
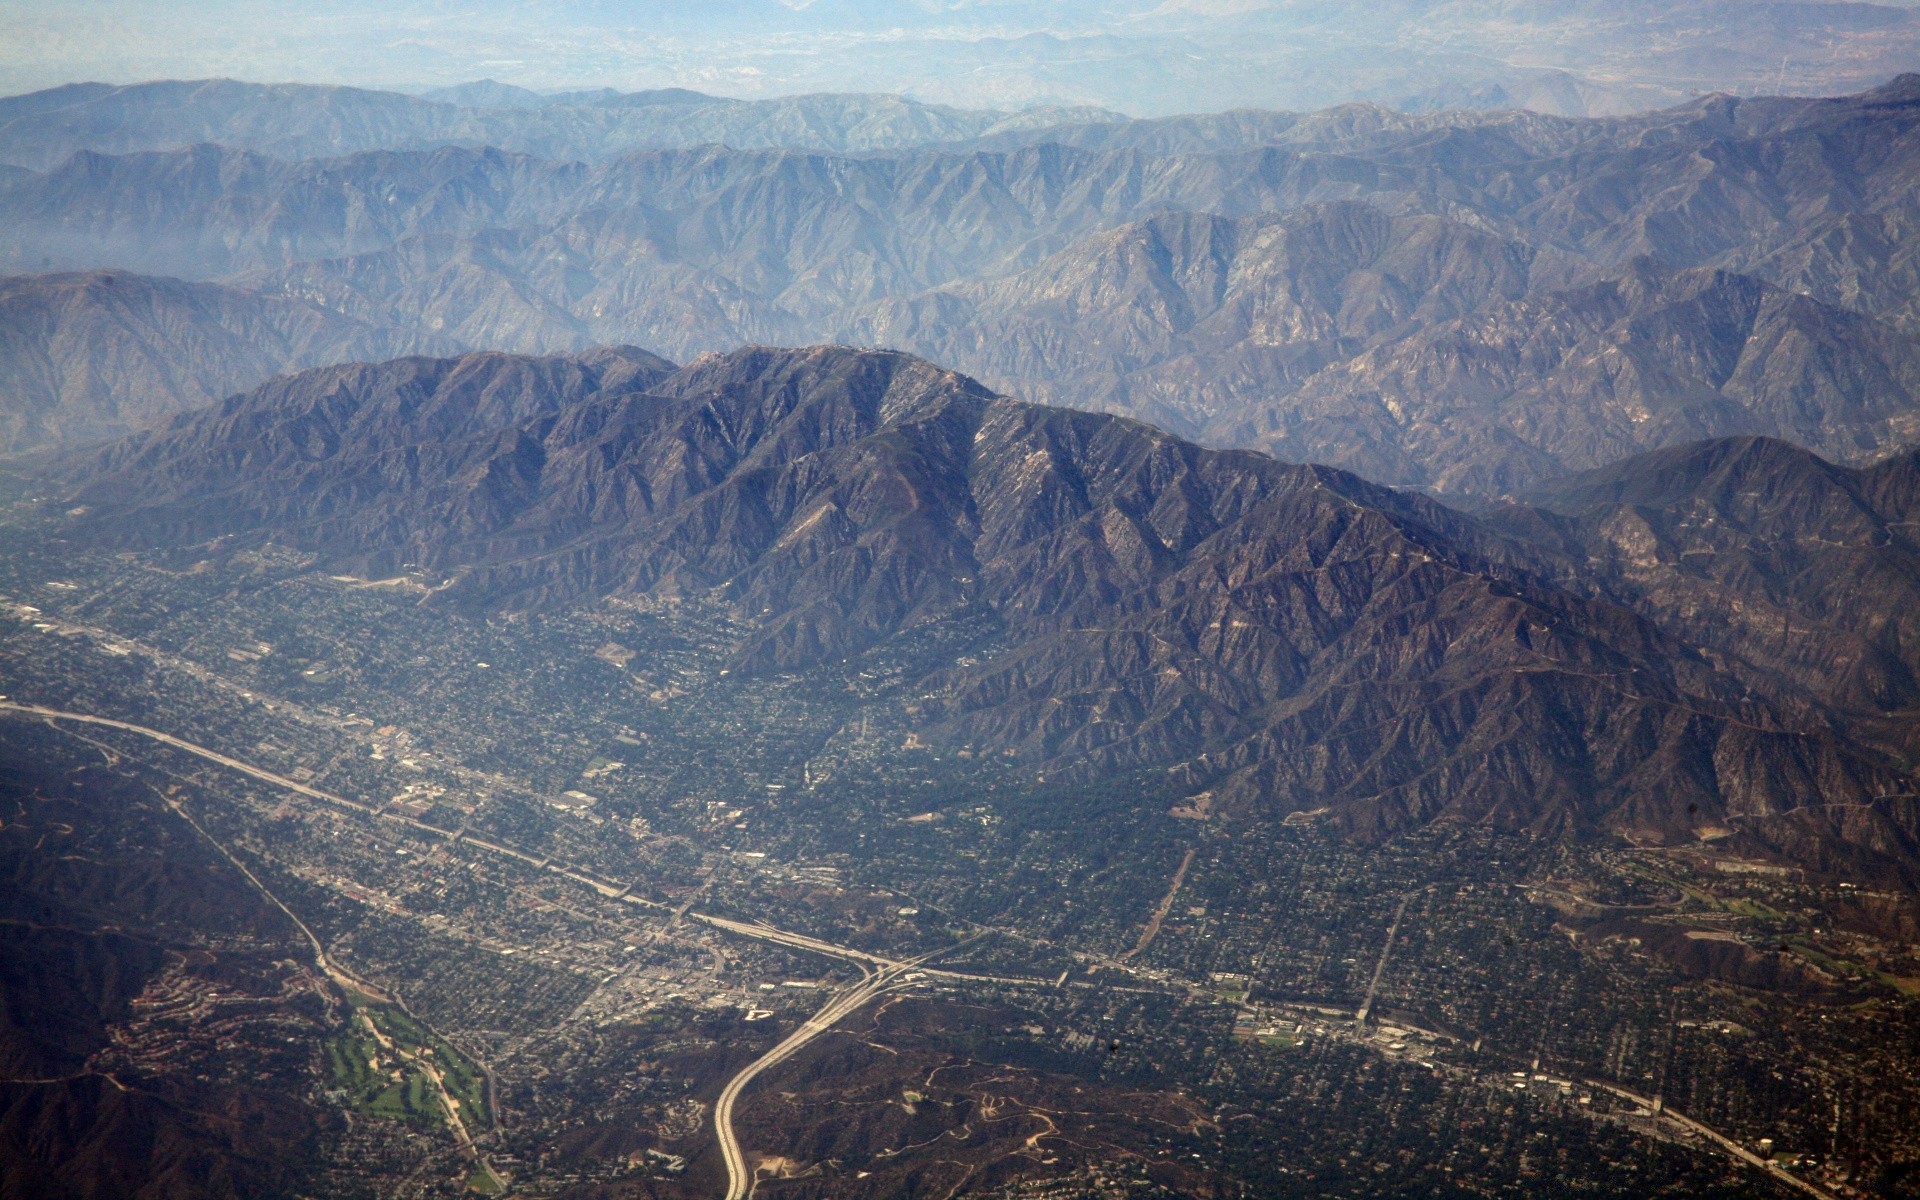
x,y
1715,465
1900,91
890,383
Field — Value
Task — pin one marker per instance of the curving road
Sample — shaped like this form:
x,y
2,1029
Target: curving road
x,y
739,1179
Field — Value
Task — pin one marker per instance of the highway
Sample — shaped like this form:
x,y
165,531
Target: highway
x,y
579,875
1731,1147
739,1178
878,972
757,930
889,977
796,941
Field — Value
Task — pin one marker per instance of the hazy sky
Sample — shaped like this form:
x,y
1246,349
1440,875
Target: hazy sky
x,y
1142,56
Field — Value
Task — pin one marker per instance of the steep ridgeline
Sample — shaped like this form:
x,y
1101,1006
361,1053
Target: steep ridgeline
x,y
1191,320
1282,638
1782,564
91,357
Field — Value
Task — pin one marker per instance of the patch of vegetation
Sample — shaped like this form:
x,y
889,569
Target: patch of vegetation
x,y
483,1182
381,1062
1755,910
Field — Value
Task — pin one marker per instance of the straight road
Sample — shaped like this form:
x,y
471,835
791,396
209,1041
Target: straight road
x,y
579,875
758,930
1733,1148
797,941
1380,968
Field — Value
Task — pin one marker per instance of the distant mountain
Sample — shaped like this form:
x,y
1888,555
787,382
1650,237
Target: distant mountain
x,y
1199,322
1416,350
1525,390
1780,563
293,121
489,93
1785,189
801,232
91,357
1279,637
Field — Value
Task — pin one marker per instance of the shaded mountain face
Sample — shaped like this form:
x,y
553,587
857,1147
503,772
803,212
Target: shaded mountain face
x,y
355,420
91,357
1781,563
1280,638
96,943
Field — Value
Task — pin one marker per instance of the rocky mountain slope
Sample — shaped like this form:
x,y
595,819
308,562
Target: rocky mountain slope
x,y
1415,350
1187,319
1280,638
97,943
1521,391
91,357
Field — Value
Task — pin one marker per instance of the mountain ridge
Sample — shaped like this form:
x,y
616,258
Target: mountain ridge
x,y
42,129
1281,637
92,356
1468,304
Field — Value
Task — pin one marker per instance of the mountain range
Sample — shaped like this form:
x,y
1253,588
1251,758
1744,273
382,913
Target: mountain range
x,y
1416,350
1467,302
1573,57
43,129
1246,628
1273,638
1465,565
1670,358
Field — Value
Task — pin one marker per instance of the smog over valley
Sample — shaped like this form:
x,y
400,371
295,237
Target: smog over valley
x,y
996,599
